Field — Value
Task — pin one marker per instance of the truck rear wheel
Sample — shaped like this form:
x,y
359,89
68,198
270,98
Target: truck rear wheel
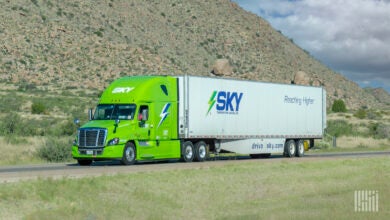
x,y
300,148
188,151
200,151
290,148
128,154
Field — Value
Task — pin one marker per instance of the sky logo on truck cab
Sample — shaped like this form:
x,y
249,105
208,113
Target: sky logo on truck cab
x,y
122,90
164,113
225,102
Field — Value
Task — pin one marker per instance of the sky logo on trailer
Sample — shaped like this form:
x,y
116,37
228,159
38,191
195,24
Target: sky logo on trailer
x,y
164,113
225,102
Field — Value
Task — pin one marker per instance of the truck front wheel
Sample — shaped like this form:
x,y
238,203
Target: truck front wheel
x,y
200,151
188,151
128,154
289,150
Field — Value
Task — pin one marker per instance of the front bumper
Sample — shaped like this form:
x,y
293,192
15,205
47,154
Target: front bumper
x,y
108,152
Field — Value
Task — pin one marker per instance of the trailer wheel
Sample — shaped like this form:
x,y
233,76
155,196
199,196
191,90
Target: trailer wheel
x,y
84,162
300,148
188,151
200,151
290,148
128,154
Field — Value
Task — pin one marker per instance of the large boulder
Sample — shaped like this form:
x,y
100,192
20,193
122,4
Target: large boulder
x,y
222,68
301,78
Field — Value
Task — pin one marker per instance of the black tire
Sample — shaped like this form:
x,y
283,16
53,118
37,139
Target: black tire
x,y
188,152
290,148
201,152
84,162
129,154
300,148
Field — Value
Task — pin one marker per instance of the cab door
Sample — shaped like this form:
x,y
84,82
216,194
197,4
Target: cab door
x,y
147,147
144,126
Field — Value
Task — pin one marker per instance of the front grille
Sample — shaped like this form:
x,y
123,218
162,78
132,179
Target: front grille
x,y
92,137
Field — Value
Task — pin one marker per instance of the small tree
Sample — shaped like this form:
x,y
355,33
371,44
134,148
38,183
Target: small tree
x,y
339,106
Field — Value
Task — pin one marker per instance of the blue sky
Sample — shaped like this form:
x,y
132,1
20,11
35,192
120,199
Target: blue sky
x,y
352,37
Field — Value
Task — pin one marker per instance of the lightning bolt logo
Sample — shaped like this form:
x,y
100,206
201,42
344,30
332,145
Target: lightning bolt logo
x,y
164,113
211,101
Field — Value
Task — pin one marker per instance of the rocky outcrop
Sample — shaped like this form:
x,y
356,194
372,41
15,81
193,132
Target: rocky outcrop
x,y
301,78
222,67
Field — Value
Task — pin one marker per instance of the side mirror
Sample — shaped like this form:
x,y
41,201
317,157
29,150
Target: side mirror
x,y
76,121
117,121
90,115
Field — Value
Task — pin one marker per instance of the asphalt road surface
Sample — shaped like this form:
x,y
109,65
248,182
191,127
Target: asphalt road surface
x,y
9,174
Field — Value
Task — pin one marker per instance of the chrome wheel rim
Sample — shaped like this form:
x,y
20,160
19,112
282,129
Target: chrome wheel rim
x,y
300,148
292,148
202,151
130,154
189,152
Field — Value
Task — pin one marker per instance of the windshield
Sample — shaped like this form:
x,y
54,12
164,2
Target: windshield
x,y
113,112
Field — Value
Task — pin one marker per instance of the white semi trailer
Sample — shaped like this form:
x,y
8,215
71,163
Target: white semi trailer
x,y
247,117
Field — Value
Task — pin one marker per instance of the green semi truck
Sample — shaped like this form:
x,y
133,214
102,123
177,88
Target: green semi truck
x,y
144,118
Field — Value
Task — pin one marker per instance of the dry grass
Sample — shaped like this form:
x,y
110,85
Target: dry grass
x,y
361,142
286,189
20,150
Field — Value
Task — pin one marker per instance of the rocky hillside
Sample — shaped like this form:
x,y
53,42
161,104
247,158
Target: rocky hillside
x,y
88,43
380,94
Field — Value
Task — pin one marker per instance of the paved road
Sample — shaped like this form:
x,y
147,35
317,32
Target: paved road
x,y
73,170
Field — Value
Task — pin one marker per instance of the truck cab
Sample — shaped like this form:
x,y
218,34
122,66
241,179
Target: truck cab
x,y
134,120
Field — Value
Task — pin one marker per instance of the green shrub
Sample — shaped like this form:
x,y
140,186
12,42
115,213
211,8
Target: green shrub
x,y
339,106
24,86
379,130
339,128
55,150
321,145
38,108
10,124
361,114
383,131
374,115
68,128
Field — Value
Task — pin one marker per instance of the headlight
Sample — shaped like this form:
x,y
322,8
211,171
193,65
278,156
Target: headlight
x,y
113,141
75,142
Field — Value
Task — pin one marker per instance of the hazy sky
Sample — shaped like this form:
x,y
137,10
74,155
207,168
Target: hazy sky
x,y
351,37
